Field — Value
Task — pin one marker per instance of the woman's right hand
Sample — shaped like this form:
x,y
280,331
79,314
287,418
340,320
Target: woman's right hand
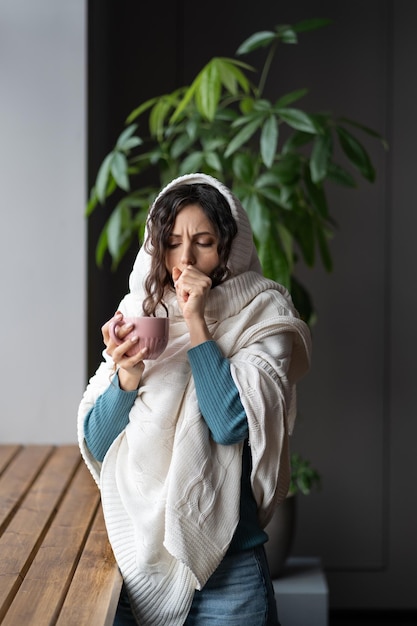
x,y
130,368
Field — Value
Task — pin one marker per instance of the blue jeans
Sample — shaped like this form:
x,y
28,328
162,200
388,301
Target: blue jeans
x,y
239,592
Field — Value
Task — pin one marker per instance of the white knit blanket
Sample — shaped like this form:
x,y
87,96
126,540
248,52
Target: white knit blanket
x,y
170,494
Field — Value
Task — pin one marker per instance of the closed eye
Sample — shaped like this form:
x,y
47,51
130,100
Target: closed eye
x,y
171,245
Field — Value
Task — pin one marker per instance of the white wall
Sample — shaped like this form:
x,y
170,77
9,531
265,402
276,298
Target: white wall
x,y
42,232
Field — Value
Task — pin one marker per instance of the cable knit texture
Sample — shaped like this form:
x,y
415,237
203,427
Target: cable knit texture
x,y
171,494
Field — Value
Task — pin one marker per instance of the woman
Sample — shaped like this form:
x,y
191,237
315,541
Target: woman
x,y
191,450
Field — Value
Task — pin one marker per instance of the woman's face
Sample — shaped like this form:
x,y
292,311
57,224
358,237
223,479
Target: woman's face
x,y
193,241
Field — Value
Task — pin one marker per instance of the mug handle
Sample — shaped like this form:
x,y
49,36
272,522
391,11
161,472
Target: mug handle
x,y
114,324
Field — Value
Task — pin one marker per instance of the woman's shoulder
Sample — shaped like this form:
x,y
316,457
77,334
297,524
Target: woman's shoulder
x,y
271,292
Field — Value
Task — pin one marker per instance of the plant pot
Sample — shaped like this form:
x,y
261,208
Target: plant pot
x,y
281,531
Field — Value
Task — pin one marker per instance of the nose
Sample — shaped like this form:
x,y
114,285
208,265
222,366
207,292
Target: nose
x,y
187,257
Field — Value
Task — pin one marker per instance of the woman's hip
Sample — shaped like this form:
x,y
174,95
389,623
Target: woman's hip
x,y
240,591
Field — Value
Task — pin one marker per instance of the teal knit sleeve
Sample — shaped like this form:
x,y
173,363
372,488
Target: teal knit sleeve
x,y
107,418
217,394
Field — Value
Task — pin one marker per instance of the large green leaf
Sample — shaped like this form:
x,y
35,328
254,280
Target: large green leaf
x,y
274,194
356,153
141,109
118,168
114,230
268,178
120,231
320,156
297,140
244,120
213,161
339,175
258,215
242,166
140,199
246,105
369,131
291,97
158,117
263,106
312,24
255,41
192,163
269,140
101,247
212,144
102,179
288,169
316,194
132,142
231,75
181,145
208,89
125,136
274,261
287,241
298,119
286,34
289,197
243,136
92,202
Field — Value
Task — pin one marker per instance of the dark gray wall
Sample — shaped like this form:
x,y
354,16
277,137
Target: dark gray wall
x,y
357,419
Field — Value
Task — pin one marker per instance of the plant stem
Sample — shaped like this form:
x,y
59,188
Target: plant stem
x,y
266,67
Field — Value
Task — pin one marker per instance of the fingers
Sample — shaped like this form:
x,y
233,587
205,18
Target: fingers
x,y
122,358
114,331
176,273
120,341
192,288
120,346
123,330
105,329
130,368
125,347
190,280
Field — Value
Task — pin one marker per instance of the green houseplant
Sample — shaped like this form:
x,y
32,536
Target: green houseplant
x,y
276,157
304,478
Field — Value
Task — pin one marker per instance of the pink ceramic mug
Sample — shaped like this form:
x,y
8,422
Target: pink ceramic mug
x,y
153,333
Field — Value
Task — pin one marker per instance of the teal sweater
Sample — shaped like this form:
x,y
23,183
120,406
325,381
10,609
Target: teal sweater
x,y
222,410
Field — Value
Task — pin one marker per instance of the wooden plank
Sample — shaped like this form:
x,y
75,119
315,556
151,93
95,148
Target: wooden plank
x,y
19,472
7,452
43,590
95,588
24,534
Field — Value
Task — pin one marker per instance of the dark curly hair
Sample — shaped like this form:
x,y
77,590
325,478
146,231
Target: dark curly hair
x,y
161,222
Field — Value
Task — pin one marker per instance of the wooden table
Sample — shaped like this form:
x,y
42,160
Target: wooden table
x,y
56,564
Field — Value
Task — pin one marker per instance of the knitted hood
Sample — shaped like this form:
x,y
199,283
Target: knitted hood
x,y
243,256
